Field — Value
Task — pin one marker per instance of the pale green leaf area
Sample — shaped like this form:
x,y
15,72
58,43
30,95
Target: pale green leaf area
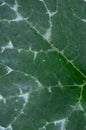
x,y
42,64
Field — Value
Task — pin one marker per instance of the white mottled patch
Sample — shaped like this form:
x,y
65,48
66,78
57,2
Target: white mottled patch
x,y
60,85
41,0
48,33
18,18
9,45
9,128
79,107
62,122
84,20
38,83
35,54
2,128
20,90
51,14
1,97
9,70
25,97
49,89
2,4
15,7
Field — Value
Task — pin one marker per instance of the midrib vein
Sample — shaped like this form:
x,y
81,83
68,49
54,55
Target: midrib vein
x,y
58,51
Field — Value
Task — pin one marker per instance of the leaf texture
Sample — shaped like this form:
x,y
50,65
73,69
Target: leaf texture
x,y
42,65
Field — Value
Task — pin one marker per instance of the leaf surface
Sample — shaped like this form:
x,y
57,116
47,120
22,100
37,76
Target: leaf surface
x,y
42,65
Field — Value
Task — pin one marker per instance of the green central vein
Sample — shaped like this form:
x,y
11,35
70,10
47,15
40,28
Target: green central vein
x,y
58,51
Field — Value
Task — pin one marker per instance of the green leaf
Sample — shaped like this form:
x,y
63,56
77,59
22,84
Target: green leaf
x,y
42,65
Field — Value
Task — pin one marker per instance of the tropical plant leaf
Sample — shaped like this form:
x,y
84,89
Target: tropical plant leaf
x,y
42,65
